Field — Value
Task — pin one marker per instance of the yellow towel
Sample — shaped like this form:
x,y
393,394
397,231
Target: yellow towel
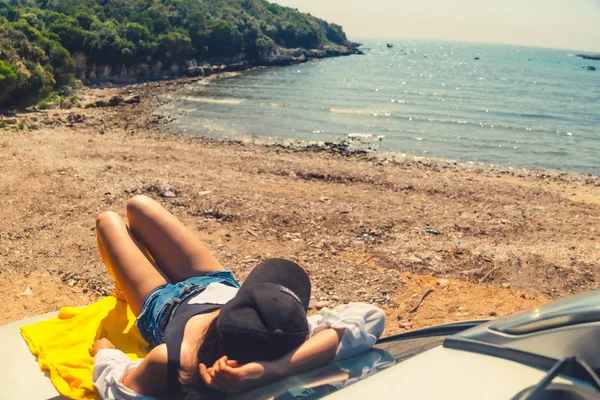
x,y
61,344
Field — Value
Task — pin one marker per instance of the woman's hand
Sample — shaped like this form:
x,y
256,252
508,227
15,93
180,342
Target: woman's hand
x,y
229,377
101,344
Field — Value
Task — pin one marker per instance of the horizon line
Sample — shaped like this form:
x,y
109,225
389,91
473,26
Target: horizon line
x,y
381,38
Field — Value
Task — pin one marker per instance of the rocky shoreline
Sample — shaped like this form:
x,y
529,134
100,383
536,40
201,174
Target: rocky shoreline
x,y
363,151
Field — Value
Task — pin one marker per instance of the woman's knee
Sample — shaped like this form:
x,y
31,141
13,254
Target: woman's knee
x,y
106,220
139,205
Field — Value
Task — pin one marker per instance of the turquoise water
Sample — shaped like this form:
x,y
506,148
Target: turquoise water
x,y
517,106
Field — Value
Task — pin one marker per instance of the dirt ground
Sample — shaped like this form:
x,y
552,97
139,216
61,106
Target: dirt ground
x,y
508,240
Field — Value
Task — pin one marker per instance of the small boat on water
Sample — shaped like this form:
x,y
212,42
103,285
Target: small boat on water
x,y
389,45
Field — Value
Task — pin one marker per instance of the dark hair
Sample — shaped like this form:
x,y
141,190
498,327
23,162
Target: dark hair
x,y
208,352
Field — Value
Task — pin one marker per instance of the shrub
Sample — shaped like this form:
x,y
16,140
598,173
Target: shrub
x,y
8,80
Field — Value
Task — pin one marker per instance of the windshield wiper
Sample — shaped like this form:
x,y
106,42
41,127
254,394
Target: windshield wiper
x,y
537,392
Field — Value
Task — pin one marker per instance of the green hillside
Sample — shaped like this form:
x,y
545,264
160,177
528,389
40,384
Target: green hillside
x,y
44,44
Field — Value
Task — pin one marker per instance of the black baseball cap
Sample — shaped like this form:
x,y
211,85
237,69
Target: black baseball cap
x,y
267,317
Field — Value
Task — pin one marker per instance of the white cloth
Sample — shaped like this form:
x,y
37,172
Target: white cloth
x,y
215,293
362,324
110,366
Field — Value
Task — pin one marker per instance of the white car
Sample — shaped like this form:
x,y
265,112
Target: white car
x,y
551,352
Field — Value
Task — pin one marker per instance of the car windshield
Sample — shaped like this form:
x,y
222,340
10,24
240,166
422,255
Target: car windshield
x,y
326,380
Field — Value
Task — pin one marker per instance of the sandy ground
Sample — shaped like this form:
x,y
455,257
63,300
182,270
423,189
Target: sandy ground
x,y
508,240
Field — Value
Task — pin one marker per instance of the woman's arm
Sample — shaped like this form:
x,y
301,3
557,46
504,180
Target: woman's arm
x,y
335,334
117,377
150,377
228,377
317,351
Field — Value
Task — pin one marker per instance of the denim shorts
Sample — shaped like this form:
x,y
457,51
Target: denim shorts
x,y
160,304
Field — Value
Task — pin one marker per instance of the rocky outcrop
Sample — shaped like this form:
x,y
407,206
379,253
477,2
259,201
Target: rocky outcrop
x,y
589,56
101,74
295,56
115,101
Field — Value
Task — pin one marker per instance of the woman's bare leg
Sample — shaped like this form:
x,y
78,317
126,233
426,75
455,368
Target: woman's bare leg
x,y
175,248
134,273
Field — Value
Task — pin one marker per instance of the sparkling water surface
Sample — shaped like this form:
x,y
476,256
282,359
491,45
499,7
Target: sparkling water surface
x,y
517,106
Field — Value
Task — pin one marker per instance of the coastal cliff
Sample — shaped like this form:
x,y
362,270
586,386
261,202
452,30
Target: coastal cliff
x,y
94,74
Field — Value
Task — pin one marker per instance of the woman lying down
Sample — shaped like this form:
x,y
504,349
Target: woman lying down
x,y
205,330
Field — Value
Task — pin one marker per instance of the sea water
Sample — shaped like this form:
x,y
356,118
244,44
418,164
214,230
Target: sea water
x,y
517,106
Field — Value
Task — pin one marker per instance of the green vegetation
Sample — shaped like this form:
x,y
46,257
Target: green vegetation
x,y
45,43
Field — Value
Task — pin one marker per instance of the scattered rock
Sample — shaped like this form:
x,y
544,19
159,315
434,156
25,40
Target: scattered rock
x,y
405,325
195,71
10,121
27,292
325,200
443,283
75,118
493,313
115,101
506,285
414,259
322,304
205,193
132,99
97,103
167,193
